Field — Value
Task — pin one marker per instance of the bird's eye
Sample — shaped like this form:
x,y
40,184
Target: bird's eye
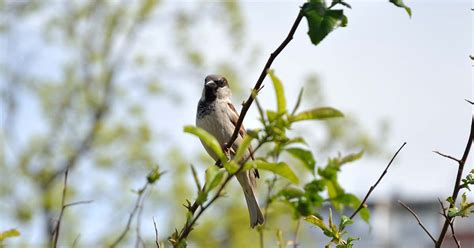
x,y
220,83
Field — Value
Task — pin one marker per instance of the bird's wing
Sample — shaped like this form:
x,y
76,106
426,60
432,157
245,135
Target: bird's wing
x,y
234,117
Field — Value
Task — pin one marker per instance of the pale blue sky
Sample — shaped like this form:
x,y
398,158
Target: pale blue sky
x,y
383,65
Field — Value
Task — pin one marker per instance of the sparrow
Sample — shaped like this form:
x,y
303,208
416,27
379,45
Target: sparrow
x,y
217,115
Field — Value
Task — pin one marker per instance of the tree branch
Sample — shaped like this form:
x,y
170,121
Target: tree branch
x,y
132,214
362,204
263,74
447,156
55,233
418,219
457,185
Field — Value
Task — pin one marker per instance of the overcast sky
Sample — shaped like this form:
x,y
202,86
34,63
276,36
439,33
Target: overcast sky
x,y
414,72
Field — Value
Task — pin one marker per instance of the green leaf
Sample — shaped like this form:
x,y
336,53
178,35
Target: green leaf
x,y
298,102
280,168
154,175
354,203
399,3
305,156
345,221
214,177
243,148
316,114
9,234
351,157
279,92
318,222
322,21
207,139
291,193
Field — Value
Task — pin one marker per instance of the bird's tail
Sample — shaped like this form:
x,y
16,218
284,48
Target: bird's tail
x,y
256,216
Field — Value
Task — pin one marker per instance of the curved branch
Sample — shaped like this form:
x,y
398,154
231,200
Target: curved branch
x,y
258,85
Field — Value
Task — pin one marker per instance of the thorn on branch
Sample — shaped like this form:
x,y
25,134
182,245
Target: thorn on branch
x,y
418,219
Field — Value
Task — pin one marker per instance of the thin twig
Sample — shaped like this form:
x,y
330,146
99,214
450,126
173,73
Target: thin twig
x,y
55,233
447,156
139,218
457,184
471,102
61,213
263,74
362,204
76,240
419,221
130,218
451,225
77,203
157,239
265,210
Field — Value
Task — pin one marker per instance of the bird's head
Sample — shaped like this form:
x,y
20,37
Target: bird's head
x,y
216,87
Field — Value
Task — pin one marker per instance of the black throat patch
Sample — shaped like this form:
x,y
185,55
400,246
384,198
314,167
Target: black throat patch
x,y
204,108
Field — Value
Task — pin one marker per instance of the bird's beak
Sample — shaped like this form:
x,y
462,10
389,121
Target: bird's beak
x,y
210,84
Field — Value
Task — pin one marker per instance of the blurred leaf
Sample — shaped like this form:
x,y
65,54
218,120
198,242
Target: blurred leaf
x,y
305,156
196,178
351,157
319,223
147,7
321,20
279,92
280,168
154,175
206,138
345,221
354,202
9,234
399,3
281,241
316,114
214,177
243,148
291,193
298,102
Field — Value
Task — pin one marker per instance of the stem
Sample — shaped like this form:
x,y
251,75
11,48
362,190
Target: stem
x,y
263,74
362,204
457,185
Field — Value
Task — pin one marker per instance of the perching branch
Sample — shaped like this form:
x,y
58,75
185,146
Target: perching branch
x,y
190,222
362,204
418,219
263,74
457,185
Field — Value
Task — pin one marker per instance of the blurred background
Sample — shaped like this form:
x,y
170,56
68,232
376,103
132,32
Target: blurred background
x,y
105,87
